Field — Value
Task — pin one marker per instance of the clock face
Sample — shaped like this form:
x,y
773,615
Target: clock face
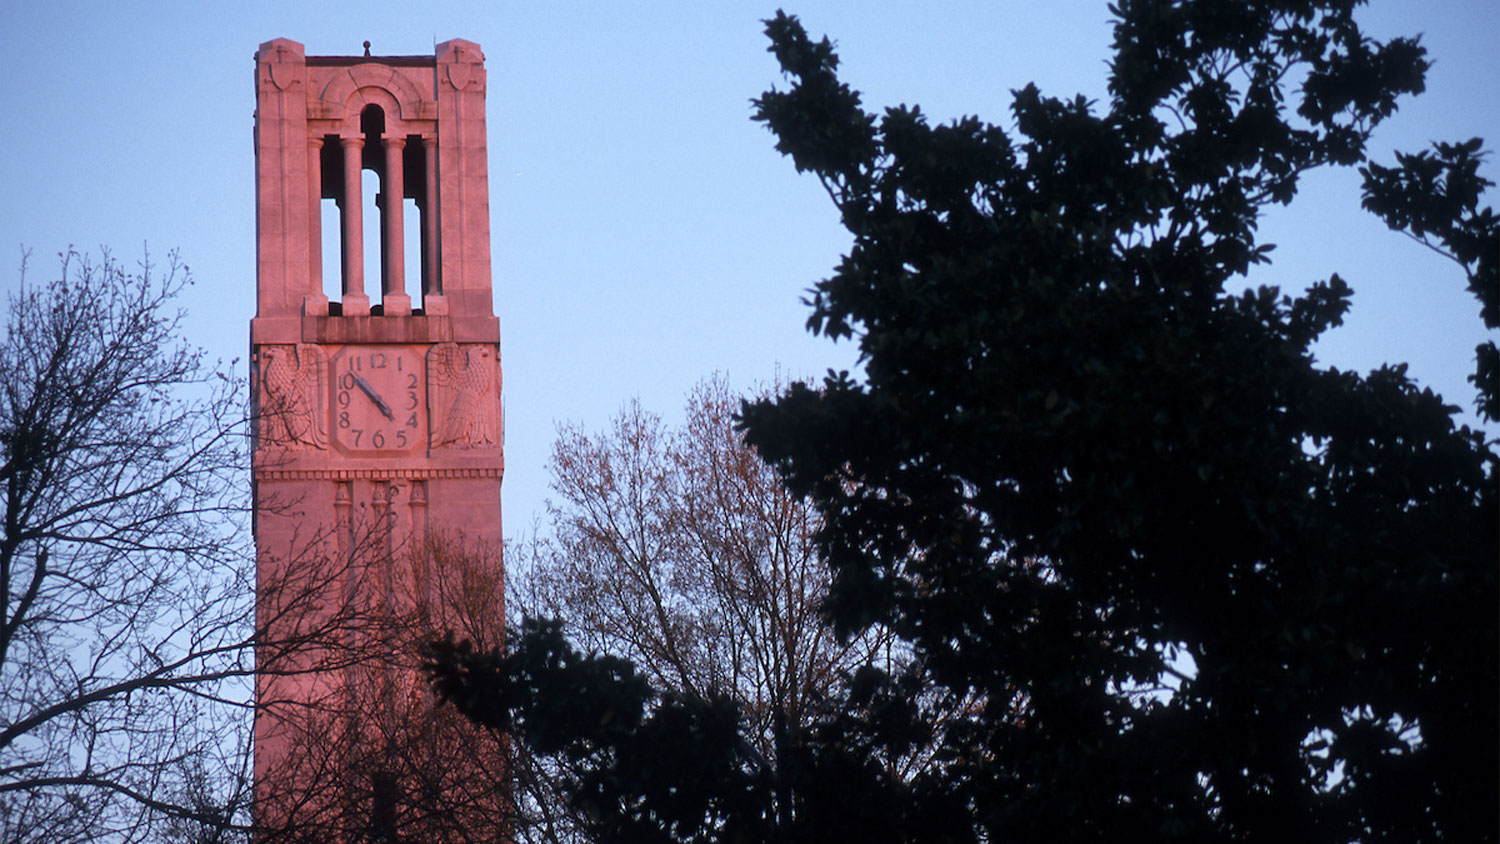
x,y
378,399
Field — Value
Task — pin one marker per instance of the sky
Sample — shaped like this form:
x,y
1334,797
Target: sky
x,y
645,232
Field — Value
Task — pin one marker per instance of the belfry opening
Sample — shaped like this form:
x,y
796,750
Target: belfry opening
x,y
375,187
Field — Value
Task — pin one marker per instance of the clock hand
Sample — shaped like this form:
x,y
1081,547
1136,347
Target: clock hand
x,y
385,409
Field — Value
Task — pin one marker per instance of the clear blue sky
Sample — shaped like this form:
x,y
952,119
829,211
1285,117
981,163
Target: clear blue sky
x,y
646,233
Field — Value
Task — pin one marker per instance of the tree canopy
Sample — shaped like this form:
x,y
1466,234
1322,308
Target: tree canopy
x,y
127,620
1193,583
677,548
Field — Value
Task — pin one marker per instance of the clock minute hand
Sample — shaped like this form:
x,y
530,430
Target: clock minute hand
x,y
385,409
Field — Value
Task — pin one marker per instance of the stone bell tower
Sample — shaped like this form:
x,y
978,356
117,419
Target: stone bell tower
x,y
378,454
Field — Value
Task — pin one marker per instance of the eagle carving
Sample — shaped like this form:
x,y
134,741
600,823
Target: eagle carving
x,y
463,383
292,413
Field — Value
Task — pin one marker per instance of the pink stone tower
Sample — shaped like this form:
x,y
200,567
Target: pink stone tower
x,y
378,455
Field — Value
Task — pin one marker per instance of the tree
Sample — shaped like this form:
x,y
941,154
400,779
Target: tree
x,y
1079,453
127,607
1198,585
680,551
135,622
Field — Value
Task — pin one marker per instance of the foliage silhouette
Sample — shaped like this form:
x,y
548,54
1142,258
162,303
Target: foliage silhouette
x,y
1195,585
677,548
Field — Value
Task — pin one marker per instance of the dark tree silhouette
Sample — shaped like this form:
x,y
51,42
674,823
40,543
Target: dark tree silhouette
x,y
1195,585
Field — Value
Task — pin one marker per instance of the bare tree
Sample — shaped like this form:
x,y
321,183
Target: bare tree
x,y
126,598
136,623
680,550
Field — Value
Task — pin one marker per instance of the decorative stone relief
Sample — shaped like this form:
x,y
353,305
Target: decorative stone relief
x,y
466,69
292,412
463,383
283,71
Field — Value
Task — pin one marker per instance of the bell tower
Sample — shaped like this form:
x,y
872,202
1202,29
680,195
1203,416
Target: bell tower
x,y
378,456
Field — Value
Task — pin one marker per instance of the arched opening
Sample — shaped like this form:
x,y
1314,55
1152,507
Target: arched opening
x,y
377,237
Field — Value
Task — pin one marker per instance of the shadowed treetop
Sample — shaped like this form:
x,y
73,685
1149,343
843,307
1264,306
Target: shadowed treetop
x,y
1194,584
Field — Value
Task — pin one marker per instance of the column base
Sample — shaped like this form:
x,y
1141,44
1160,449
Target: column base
x,y
396,304
356,304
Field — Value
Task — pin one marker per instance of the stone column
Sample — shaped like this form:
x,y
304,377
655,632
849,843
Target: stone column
x,y
381,493
393,293
356,301
433,302
281,102
419,514
422,569
341,521
315,302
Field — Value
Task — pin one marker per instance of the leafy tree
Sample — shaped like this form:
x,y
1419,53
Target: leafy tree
x,y
1196,585
1433,197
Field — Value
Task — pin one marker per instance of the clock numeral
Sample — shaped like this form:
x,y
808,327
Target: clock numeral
x,y
344,419
411,421
357,434
346,381
377,360
343,398
378,440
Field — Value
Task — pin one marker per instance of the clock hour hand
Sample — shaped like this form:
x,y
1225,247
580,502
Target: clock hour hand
x,y
385,409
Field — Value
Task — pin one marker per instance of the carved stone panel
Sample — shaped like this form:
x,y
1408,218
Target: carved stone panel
x,y
292,413
463,383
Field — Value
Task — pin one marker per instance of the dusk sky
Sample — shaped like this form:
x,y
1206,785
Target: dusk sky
x,y
646,234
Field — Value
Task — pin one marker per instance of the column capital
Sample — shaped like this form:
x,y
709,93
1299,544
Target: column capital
x,y
352,143
394,141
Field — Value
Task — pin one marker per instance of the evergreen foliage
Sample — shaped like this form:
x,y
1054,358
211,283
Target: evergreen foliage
x,y
1191,583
